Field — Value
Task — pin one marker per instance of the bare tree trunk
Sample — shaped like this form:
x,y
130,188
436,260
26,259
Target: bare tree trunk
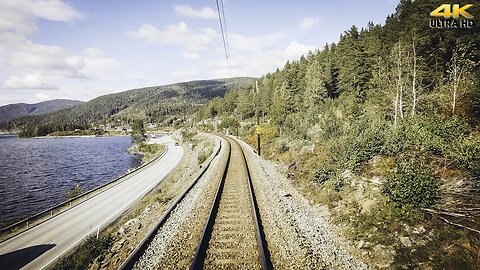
x,y
400,102
395,117
454,97
398,99
414,89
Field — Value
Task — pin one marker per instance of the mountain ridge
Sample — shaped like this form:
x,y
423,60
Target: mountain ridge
x,y
15,110
151,104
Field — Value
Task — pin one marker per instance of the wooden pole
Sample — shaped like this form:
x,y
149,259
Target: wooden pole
x,y
257,112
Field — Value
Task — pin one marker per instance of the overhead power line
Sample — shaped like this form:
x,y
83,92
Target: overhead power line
x,y
223,28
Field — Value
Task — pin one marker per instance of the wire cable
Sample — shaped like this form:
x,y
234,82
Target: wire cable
x,y
225,28
223,34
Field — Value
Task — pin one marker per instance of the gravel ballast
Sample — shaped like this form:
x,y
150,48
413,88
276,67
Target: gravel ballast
x,y
174,245
298,236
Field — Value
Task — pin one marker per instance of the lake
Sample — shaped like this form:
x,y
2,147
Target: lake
x,y
36,173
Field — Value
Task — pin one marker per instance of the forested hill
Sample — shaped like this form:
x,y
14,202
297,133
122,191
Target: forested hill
x,y
381,127
149,104
11,111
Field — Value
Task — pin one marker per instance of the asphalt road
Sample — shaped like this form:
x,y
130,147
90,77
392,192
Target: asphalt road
x,y
38,247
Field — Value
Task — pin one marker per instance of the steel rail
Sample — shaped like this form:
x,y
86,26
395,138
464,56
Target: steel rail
x,y
135,255
201,252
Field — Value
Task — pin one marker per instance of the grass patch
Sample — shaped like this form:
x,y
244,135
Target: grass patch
x,y
150,151
84,254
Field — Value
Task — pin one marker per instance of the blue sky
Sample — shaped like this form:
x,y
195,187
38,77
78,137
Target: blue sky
x,y
83,49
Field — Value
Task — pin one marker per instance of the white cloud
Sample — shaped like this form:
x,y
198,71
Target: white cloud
x,y
19,15
202,13
39,97
257,63
32,81
254,43
186,74
295,49
29,65
177,34
307,23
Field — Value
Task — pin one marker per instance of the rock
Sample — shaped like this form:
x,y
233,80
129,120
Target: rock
x,y
406,241
383,256
308,148
366,205
146,210
419,230
361,244
347,174
121,231
131,221
377,181
324,212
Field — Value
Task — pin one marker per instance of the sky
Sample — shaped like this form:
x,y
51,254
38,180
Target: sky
x,y
82,49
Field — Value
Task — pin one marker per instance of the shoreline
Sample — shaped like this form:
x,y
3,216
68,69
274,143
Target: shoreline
x,y
78,136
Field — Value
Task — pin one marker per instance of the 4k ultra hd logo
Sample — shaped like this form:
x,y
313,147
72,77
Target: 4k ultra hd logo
x,y
452,16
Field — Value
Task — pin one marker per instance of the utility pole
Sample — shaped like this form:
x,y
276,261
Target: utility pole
x,y
257,112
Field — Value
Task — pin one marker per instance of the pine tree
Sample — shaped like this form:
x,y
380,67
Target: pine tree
x,y
316,91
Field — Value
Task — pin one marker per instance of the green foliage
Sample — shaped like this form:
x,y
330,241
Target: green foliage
x,y
281,146
150,151
138,126
338,183
322,175
137,138
138,131
412,184
202,156
152,104
73,192
85,253
60,129
435,135
467,155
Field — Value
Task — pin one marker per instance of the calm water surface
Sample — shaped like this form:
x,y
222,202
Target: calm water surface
x,y
36,173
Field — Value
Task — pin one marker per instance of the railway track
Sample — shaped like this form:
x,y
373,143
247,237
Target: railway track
x,y
232,236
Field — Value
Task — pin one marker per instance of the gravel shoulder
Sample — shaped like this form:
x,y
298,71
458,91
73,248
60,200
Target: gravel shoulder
x,y
298,236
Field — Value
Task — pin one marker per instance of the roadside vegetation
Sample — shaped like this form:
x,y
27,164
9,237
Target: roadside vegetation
x,y
139,144
85,253
382,129
73,192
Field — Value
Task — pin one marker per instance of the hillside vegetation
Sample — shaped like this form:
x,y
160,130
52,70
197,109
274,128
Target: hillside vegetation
x,y
383,128
12,111
155,104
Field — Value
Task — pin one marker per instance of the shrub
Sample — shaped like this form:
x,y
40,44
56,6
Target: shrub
x,y
467,154
73,192
412,184
322,175
85,253
202,156
338,183
434,134
281,146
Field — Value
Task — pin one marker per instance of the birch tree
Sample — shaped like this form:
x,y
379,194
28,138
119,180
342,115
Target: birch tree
x,y
458,69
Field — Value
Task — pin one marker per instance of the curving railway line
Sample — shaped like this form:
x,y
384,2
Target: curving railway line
x,y
232,234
